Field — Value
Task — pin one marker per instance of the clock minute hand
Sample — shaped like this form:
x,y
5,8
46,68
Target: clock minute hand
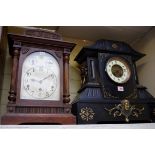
x,y
45,78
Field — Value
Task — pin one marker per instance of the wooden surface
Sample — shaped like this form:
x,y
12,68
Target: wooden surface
x,y
13,85
19,119
66,94
3,44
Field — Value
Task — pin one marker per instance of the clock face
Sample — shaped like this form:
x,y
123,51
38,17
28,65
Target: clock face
x,y
118,70
40,77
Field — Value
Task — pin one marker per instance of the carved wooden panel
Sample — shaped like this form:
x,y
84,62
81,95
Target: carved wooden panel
x,y
43,34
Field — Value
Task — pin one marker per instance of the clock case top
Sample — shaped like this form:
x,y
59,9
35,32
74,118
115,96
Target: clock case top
x,y
26,45
17,41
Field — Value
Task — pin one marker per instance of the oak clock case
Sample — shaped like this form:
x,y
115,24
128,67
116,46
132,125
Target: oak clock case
x,y
110,91
39,89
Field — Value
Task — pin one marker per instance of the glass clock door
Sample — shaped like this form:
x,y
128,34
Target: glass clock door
x,y
40,77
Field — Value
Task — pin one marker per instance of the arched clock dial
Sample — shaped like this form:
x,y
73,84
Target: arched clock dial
x,y
40,77
118,70
40,88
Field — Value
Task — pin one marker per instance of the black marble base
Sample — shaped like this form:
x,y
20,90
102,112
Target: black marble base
x,y
100,113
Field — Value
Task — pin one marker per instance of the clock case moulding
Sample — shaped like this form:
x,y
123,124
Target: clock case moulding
x,y
21,111
98,100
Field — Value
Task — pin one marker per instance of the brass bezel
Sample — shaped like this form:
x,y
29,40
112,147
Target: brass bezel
x,y
122,60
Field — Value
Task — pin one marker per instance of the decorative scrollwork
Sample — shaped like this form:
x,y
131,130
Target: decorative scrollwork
x,y
43,34
114,45
25,50
58,54
87,114
84,73
125,109
132,95
107,94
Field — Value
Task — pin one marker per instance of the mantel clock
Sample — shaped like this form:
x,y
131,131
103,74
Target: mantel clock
x,y
110,90
39,90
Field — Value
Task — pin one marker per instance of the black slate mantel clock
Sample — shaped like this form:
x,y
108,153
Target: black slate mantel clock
x,y
39,89
110,91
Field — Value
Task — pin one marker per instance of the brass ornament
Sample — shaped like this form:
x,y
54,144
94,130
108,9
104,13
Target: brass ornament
x,y
125,109
84,73
87,114
114,45
124,63
108,94
132,95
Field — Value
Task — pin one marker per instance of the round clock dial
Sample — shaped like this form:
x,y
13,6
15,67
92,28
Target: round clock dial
x,y
40,77
42,87
118,70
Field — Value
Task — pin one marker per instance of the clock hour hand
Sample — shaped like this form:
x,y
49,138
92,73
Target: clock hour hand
x,y
34,80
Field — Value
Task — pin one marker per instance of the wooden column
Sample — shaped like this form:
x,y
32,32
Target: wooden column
x,y
12,92
66,94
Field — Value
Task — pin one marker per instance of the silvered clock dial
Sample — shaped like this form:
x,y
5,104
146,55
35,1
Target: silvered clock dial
x,y
40,77
118,70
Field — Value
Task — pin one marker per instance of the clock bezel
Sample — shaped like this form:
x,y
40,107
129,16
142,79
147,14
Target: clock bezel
x,y
125,63
39,102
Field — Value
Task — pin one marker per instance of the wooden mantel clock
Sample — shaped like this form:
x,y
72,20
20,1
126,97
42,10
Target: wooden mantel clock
x,y
110,91
39,90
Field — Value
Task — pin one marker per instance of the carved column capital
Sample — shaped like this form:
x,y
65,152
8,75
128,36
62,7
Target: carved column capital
x,y
16,52
66,57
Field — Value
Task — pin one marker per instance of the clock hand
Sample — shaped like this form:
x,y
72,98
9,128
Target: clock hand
x,y
45,78
34,80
